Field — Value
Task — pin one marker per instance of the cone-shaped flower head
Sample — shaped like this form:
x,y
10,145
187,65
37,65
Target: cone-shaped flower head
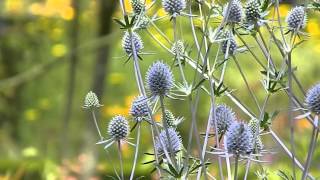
x,y
254,127
142,21
139,108
231,43
169,118
296,18
118,128
174,7
178,48
239,139
224,117
252,11
126,42
159,79
236,12
138,6
91,100
313,99
175,140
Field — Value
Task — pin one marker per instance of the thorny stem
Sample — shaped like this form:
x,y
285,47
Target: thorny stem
x,y
136,151
120,159
96,124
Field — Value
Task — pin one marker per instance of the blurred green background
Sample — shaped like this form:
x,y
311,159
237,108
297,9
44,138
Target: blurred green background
x,y
52,52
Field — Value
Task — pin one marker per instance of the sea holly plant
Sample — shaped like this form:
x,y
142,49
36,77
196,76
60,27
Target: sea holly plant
x,y
223,36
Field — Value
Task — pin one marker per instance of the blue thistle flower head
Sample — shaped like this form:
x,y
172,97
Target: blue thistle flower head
x,y
159,79
231,43
296,18
252,11
138,6
236,12
118,128
91,100
139,108
239,139
224,117
126,42
313,99
175,141
174,7
254,127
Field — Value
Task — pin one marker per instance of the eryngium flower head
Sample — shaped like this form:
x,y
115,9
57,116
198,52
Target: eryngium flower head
x,y
126,42
174,7
239,139
118,128
178,48
252,11
254,127
159,79
235,13
169,118
142,21
296,18
139,108
91,100
138,6
231,43
313,99
175,140
224,117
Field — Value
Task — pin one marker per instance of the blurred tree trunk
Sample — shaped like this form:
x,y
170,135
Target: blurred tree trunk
x,y
74,40
106,10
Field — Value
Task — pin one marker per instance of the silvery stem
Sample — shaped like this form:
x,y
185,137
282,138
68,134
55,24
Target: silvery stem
x,y
136,152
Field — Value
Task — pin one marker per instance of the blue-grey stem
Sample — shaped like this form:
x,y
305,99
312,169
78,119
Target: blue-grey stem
x,y
120,159
136,151
96,124
236,167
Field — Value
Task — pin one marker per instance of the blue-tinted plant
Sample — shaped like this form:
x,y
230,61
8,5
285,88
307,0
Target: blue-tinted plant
x,y
159,79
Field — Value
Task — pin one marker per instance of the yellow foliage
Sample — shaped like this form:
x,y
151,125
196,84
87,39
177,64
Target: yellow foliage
x,y
58,50
116,78
14,6
30,151
31,114
52,8
313,27
114,110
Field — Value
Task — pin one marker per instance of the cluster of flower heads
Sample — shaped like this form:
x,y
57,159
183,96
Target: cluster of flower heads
x,y
127,41
159,79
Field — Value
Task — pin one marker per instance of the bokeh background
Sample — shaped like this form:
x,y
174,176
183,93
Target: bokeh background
x,y
52,52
